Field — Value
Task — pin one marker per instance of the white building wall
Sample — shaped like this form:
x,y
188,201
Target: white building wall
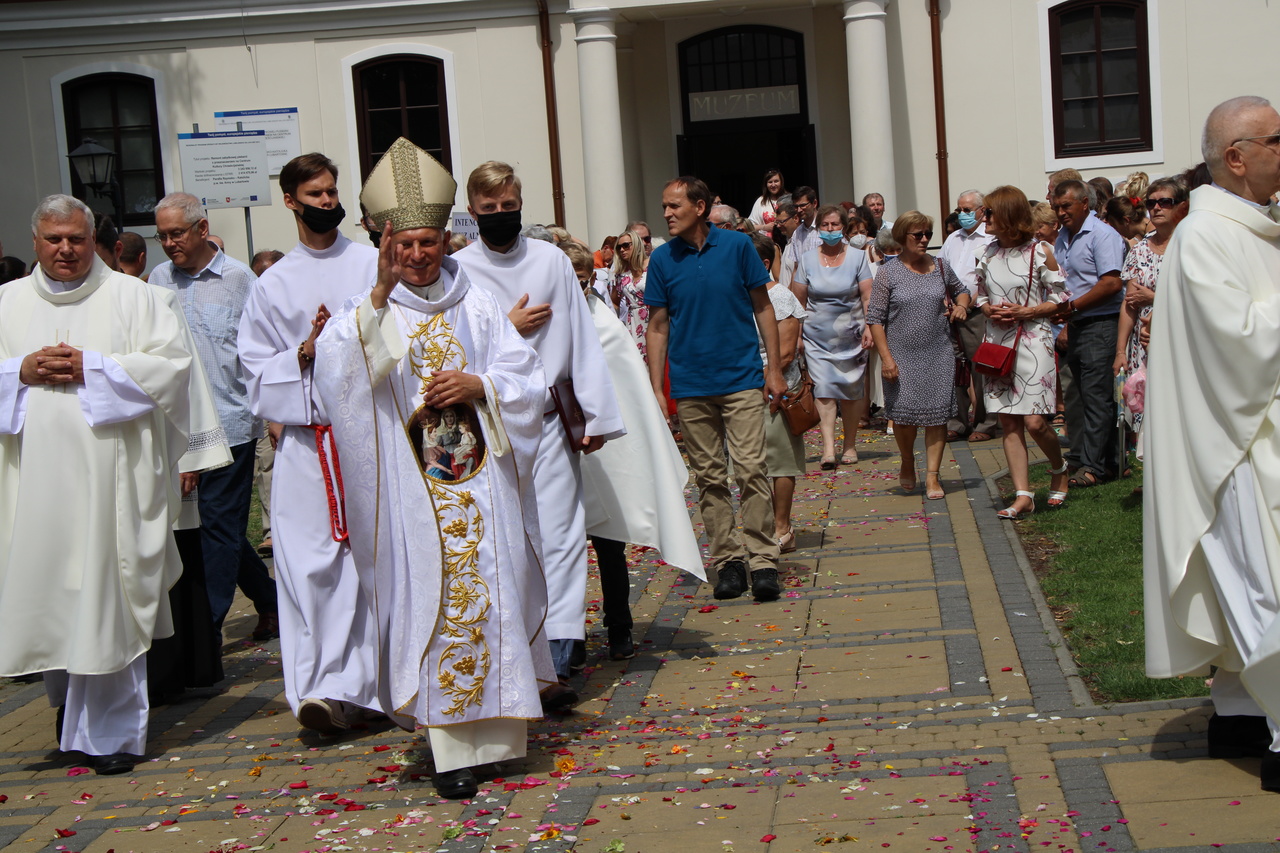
x,y
1208,50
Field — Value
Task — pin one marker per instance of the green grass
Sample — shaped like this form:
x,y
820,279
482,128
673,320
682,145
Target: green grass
x,y
1088,557
255,519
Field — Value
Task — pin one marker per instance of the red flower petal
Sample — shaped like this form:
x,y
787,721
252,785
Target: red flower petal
x,y
298,785
65,833
382,747
767,838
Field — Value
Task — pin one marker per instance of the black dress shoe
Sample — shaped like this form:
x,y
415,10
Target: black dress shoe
x,y
621,646
764,585
1239,736
114,764
457,784
732,581
559,697
1271,772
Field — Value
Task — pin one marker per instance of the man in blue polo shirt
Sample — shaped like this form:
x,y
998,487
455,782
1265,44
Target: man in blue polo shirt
x,y
1091,253
706,294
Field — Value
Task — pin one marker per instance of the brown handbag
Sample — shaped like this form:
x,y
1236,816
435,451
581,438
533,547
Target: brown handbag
x,y
800,410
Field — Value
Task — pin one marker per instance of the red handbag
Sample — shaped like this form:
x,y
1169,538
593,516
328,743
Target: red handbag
x,y
996,359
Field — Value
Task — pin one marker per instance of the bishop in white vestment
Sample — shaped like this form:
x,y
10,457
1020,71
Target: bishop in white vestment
x,y
94,396
438,402
1211,556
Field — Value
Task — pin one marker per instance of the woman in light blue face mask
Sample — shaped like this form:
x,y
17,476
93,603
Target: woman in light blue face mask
x,y
833,283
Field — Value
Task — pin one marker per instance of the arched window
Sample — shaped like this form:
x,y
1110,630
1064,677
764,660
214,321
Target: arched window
x,y
746,109
744,72
119,111
1101,77
396,96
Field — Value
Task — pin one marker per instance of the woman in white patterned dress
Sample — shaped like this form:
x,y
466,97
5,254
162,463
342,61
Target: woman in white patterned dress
x,y
630,265
1019,289
1168,203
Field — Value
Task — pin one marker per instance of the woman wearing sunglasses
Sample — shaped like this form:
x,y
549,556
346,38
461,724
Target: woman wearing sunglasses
x,y
630,265
911,324
1168,203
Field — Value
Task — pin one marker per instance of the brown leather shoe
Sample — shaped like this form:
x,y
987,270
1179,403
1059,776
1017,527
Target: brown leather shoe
x,y
268,627
558,698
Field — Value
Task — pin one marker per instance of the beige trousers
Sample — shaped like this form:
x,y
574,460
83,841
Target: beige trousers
x,y
708,424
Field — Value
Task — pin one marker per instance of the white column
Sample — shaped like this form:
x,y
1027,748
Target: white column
x,y
870,116
603,164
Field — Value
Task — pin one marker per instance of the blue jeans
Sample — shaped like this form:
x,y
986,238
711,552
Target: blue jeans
x,y
225,497
1091,351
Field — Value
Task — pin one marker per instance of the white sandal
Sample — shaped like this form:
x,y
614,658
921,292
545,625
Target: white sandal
x,y
1057,499
1014,514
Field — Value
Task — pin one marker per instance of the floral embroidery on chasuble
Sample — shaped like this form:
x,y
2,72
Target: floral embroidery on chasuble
x,y
449,446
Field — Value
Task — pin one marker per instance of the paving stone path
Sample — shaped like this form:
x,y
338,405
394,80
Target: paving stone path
x,y
907,693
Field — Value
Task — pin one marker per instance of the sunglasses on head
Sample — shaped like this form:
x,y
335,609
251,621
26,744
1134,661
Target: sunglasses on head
x,y
1166,203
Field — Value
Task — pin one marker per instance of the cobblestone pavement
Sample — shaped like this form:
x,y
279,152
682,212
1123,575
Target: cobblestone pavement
x,y
906,693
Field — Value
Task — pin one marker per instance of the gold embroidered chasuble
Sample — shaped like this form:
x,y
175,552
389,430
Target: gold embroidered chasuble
x,y
442,519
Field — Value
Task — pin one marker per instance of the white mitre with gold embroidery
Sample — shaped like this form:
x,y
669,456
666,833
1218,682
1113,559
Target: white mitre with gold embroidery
x,y
409,187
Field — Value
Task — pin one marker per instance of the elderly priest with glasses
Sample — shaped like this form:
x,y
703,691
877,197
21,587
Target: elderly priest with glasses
x,y
438,403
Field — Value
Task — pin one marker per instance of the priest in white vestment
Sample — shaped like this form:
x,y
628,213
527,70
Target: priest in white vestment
x,y
94,379
328,627
438,403
1212,510
534,282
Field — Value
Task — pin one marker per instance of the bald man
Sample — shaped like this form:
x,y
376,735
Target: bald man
x,y
1212,515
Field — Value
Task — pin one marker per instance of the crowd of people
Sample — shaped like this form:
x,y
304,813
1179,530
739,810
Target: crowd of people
x,y
446,424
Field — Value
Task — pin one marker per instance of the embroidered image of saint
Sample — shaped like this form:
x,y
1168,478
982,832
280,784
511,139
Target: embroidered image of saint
x,y
448,441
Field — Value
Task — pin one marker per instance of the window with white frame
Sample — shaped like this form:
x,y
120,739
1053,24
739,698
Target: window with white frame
x,y
1100,70
118,110
401,95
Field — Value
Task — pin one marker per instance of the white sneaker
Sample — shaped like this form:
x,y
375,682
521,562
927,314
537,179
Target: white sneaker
x,y
326,716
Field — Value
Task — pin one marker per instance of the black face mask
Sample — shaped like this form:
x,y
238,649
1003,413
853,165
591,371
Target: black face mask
x,y
320,220
375,237
499,229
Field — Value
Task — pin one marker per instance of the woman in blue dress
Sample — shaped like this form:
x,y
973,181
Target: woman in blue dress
x,y
833,283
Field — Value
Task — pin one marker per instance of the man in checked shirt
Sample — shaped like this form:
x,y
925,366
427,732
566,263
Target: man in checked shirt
x,y
212,289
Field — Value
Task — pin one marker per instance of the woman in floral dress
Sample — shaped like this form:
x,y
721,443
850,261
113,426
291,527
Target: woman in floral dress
x,y
630,263
1168,203
1019,288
